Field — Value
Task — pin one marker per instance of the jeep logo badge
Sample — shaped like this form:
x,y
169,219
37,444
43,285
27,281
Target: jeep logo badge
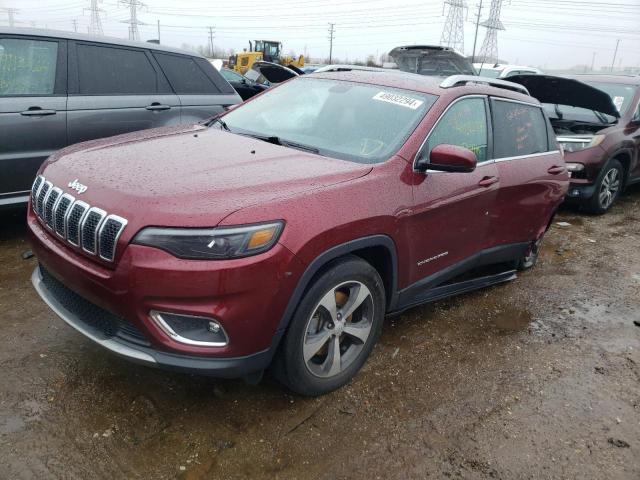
x,y
77,186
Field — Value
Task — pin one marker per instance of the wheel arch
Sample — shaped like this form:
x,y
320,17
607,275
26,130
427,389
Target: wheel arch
x,y
377,250
624,157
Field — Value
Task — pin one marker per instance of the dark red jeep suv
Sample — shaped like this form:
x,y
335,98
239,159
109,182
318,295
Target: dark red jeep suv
x,y
281,233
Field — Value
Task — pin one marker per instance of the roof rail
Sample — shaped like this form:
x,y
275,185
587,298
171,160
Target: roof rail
x,y
459,80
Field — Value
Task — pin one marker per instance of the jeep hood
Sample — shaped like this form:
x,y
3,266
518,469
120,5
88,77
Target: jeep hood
x,y
192,176
433,60
566,91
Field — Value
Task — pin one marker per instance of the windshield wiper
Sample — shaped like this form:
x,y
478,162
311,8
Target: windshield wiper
x,y
284,143
601,117
558,112
222,123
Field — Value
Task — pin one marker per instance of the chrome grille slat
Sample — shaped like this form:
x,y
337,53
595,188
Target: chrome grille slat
x,y
42,196
35,189
52,200
74,222
108,236
60,214
88,228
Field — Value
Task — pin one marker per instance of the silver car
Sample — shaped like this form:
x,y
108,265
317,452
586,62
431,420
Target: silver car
x,y
59,88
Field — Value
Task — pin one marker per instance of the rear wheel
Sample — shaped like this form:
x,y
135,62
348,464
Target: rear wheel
x,y
334,329
608,188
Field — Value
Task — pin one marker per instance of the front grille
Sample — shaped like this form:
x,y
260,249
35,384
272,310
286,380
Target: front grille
x,y
95,318
80,224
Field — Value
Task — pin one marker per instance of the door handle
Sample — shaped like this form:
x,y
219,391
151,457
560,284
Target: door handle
x,y
157,106
488,181
556,170
37,112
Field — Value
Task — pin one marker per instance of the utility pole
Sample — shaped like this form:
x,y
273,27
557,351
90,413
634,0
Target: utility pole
x,y
211,37
331,36
11,12
615,54
475,38
453,31
593,61
75,25
95,26
158,31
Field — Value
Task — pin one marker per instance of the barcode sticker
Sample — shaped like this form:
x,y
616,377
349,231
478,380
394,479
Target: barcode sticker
x,y
402,100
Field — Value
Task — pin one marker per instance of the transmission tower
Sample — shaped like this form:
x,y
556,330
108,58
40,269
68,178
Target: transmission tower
x,y
453,31
95,26
133,21
489,49
11,12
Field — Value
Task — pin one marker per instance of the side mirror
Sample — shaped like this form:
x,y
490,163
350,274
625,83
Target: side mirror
x,y
448,158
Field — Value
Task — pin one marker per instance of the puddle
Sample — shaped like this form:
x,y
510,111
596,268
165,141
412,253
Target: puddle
x,y
511,319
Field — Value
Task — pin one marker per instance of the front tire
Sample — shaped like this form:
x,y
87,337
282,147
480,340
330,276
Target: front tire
x,y
608,188
334,329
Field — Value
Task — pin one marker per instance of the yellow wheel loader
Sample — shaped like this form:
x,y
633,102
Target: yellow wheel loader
x,y
263,50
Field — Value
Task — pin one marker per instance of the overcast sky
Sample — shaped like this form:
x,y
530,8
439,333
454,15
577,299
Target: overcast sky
x,y
546,33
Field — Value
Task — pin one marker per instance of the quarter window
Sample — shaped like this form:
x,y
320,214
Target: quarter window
x,y
185,75
27,67
463,125
113,71
519,129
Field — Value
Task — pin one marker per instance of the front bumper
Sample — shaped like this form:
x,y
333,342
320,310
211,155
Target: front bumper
x,y
580,191
105,330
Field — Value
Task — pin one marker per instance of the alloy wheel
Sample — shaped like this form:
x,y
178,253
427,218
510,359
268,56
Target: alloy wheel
x,y
609,188
338,329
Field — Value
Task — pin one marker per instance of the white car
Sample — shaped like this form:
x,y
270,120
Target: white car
x,y
502,70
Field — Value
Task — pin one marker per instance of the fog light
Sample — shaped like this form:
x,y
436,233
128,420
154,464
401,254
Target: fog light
x,y
191,329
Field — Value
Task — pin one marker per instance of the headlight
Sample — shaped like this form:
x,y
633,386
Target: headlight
x,y
573,144
575,167
212,243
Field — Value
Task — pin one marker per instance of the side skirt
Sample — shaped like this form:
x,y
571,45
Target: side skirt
x,y
435,286
459,288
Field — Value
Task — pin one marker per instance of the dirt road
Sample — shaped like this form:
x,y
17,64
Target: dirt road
x,y
538,378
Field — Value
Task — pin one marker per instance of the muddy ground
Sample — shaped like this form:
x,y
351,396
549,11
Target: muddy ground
x,y
538,378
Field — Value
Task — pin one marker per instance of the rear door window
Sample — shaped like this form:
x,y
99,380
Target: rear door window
x,y
519,129
187,76
27,67
114,71
464,124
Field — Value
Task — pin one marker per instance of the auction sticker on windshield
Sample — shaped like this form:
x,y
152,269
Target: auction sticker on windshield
x,y
402,100
618,102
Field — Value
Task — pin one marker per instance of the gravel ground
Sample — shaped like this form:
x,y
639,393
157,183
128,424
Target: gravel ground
x,y
537,378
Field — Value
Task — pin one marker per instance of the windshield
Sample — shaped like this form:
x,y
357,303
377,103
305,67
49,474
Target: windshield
x,y
620,94
346,120
436,63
